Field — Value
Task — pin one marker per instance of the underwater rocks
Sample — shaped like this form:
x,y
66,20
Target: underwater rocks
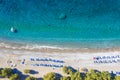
x,y
13,30
62,16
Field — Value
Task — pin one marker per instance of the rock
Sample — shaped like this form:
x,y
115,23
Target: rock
x,y
62,16
13,30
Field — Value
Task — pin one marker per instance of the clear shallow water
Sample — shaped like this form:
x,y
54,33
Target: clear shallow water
x,y
89,23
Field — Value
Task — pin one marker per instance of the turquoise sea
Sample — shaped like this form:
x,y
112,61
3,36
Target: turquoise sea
x,y
62,23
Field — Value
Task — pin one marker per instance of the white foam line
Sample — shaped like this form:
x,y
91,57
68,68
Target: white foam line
x,y
30,47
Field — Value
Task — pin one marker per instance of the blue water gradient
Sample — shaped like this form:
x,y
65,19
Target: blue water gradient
x,y
87,23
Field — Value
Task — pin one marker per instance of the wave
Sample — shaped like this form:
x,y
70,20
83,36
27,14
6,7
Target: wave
x,y
82,45
27,46
62,44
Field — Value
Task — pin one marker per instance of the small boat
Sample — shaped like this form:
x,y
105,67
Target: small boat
x,y
13,30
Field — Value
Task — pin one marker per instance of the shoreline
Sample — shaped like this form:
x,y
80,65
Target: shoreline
x,y
33,47
49,49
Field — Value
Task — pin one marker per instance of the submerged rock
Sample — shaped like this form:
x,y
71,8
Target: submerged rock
x,y
62,16
13,30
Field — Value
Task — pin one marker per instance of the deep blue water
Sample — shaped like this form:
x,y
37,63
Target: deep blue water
x,y
87,22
